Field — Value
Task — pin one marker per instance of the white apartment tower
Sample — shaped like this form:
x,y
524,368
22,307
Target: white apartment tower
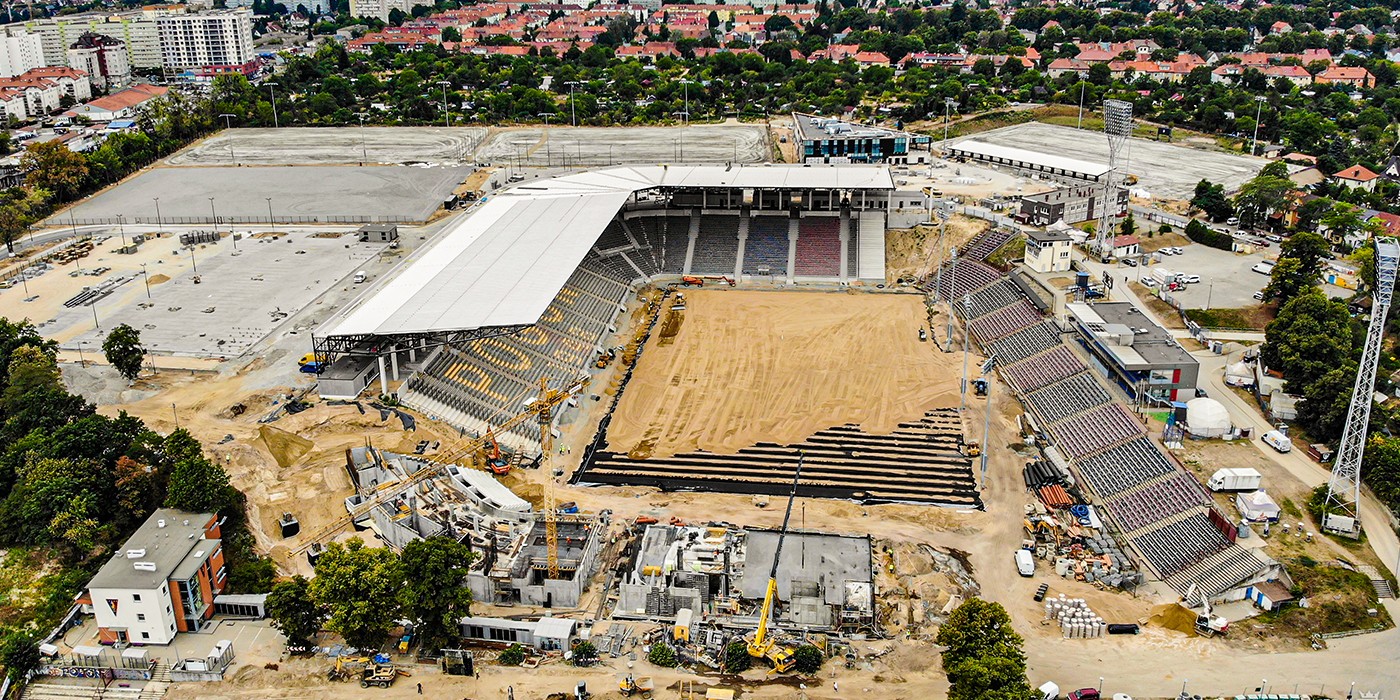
x,y
220,38
20,51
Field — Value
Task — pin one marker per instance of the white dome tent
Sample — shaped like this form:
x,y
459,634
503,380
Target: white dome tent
x,y
1207,418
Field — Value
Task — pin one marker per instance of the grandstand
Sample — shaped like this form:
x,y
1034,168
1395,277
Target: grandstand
x,y
531,285
1159,508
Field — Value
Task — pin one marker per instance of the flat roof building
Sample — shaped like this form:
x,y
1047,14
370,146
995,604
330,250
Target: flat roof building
x,y
1045,164
1048,251
1141,356
823,140
162,581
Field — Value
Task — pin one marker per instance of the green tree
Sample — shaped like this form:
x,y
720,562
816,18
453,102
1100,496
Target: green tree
x,y
1325,402
294,612
435,594
661,654
1260,197
585,654
1210,199
1288,280
451,34
50,166
1309,249
983,655
513,655
807,659
124,351
19,651
359,587
1129,225
32,370
19,209
1310,336
198,485
736,657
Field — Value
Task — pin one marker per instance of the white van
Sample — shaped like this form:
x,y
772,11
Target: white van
x,y
1049,691
360,277
1278,441
1264,268
1025,563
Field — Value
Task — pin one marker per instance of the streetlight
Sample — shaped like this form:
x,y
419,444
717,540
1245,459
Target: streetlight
x,y
952,285
364,152
548,159
227,125
215,218
159,224
1082,85
270,85
573,121
193,264
1100,685
949,104
270,222
967,309
444,84
147,276
121,227
1258,112
685,84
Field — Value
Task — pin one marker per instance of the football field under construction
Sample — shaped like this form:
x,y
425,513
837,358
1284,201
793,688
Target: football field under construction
x,y
752,379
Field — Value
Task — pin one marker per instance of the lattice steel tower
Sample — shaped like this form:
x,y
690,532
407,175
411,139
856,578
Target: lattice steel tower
x,y
1344,488
1117,126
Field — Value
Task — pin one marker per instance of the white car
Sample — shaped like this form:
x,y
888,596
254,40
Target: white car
x,y
1233,221
1264,268
1274,237
1191,279
1149,282
1025,563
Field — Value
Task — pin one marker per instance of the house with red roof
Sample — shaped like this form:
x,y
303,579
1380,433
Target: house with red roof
x,y
1353,76
119,105
1357,176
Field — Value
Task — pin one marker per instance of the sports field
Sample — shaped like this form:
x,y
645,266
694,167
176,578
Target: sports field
x,y
756,366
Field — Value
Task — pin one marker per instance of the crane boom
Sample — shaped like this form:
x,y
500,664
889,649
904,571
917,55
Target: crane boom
x,y
761,644
436,463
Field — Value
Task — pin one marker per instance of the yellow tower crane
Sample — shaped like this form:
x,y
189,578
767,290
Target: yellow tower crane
x,y
454,454
543,408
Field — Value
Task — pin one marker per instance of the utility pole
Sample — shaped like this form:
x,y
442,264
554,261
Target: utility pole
x,y
952,285
364,151
271,224
1082,85
228,126
1258,112
159,224
270,86
444,84
967,311
147,277
573,119
949,104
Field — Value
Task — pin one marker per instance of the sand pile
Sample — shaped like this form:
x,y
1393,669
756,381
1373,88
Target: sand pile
x,y
285,447
158,278
1173,617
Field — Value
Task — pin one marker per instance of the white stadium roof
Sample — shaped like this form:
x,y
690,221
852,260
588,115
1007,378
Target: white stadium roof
x,y
1048,160
503,264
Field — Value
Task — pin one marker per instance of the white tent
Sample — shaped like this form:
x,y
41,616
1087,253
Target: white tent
x,y
1206,417
1257,507
1239,374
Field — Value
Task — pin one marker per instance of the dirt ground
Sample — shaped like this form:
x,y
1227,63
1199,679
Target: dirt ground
x,y
751,366
915,252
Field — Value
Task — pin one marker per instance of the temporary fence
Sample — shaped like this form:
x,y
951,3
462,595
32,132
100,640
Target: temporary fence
x,y
68,221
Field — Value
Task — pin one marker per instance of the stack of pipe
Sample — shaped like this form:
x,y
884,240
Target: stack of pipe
x,y
1076,620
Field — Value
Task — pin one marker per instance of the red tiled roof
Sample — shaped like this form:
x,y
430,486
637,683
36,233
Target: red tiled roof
x,y
1357,172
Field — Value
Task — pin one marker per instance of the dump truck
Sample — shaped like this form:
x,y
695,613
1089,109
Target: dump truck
x,y
379,675
631,685
1239,479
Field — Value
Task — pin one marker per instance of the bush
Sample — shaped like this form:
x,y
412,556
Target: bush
x,y
1202,234
585,654
808,659
662,655
736,657
514,655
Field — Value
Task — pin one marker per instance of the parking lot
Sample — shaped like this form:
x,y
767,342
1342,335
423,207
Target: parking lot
x,y
349,145
1226,278
567,146
305,194
1163,169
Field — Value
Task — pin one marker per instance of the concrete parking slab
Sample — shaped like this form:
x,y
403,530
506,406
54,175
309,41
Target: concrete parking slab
x,y
567,146
333,146
1163,169
300,194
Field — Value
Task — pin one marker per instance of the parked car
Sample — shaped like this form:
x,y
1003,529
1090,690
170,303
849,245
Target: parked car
x,y
1084,694
1176,250
1149,282
1130,262
1274,237
1191,279
1264,268
1233,221
1259,295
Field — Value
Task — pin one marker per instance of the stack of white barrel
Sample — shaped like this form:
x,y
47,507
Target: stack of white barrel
x,y
1076,620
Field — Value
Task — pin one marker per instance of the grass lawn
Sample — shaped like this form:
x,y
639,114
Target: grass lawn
x,y
1253,317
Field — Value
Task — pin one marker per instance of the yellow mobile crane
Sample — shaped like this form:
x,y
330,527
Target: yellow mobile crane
x,y
763,645
542,405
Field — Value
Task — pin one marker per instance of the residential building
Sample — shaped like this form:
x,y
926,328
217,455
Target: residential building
x,y
45,88
103,58
820,139
163,581
381,8
119,105
1069,204
1140,356
1357,176
1354,76
136,30
13,106
1048,251
1126,246
72,82
20,51
220,38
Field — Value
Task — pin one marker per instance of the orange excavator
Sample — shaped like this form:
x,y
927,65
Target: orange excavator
x,y
494,461
695,281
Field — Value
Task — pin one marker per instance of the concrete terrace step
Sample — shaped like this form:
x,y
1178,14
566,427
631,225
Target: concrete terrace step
x,y
1378,581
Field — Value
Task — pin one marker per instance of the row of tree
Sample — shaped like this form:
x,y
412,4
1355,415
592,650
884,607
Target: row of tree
x,y
363,592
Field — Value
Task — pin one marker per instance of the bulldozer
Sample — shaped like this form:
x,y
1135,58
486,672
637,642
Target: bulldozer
x,y
379,675
974,449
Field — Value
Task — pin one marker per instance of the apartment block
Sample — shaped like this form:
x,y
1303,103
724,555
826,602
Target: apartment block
x,y
20,51
219,38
